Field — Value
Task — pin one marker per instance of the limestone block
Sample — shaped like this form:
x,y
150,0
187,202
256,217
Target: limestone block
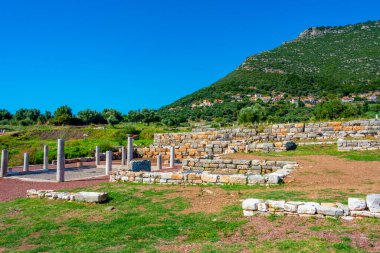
x,y
262,207
248,213
356,204
344,207
273,178
277,205
292,206
330,211
177,176
306,209
362,214
166,175
238,179
225,179
209,178
91,197
251,204
373,202
256,179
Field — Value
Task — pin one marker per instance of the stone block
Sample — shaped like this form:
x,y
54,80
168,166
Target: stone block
x,y
262,207
373,202
256,179
177,176
91,197
238,179
362,214
277,205
225,179
209,178
356,204
306,209
330,211
139,165
292,206
251,204
273,178
248,213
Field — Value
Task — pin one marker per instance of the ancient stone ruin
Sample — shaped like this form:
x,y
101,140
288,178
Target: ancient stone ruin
x,y
357,207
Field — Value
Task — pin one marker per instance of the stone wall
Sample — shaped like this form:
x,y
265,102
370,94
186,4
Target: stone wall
x,y
228,166
348,145
274,133
213,148
197,178
357,207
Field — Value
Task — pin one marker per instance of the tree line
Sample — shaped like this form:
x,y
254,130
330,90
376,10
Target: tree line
x,y
64,115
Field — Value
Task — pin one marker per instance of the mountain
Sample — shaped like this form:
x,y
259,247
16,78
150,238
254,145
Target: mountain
x,y
322,62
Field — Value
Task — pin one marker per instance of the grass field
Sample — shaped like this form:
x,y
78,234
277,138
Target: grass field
x,y
331,150
156,219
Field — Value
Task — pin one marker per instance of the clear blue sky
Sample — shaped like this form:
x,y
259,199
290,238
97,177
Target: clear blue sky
x,y
135,54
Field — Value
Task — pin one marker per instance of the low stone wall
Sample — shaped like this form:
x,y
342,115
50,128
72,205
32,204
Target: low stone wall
x,y
214,148
198,178
228,166
348,145
369,207
89,197
274,133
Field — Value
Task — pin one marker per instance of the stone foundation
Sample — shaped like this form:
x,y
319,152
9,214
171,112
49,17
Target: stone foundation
x,y
228,166
348,145
369,207
198,178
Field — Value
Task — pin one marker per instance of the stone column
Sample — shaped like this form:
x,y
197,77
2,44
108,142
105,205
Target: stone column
x,y
61,161
159,162
108,162
122,155
97,155
172,157
4,163
130,150
46,157
26,162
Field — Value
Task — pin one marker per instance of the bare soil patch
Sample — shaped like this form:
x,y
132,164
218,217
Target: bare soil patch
x,y
318,172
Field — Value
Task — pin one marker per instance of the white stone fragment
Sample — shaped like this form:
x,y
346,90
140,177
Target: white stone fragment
x,y
356,204
292,206
306,209
248,213
330,211
91,197
251,204
278,205
373,202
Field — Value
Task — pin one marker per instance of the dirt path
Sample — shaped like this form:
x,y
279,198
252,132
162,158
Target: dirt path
x,y
319,172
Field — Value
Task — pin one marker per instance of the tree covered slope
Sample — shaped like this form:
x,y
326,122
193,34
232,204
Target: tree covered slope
x,y
321,62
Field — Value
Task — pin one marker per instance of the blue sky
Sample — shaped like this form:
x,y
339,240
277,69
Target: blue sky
x,y
136,54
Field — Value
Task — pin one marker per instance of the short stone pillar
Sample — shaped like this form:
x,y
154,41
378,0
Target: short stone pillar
x,y
108,162
159,162
123,154
46,157
4,163
26,162
172,157
97,155
61,161
130,150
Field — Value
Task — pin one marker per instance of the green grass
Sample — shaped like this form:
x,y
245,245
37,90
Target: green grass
x,y
146,217
367,155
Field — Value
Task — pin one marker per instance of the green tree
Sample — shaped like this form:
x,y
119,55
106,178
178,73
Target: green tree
x,y
63,115
149,116
252,114
90,117
112,116
5,114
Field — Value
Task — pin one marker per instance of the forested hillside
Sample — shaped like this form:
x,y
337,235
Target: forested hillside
x,y
322,63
